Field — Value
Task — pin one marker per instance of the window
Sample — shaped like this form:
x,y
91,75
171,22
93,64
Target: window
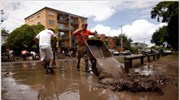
x,y
82,20
60,26
71,27
39,23
51,22
38,16
61,34
73,20
51,13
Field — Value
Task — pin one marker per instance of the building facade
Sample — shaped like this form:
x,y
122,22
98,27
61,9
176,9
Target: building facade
x,y
111,41
139,45
4,37
64,22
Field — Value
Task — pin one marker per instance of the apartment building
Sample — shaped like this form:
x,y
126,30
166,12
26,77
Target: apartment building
x,y
64,22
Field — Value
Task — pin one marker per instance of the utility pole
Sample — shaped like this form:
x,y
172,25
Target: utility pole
x,y
121,37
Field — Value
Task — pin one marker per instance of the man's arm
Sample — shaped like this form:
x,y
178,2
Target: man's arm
x,y
93,33
36,40
55,41
77,31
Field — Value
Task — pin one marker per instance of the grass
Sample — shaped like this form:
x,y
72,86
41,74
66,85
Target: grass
x,y
171,57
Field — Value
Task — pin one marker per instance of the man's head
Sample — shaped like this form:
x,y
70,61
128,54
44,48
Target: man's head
x,y
51,29
84,26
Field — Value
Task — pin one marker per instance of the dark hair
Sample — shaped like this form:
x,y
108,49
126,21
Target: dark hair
x,y
84,24
51,29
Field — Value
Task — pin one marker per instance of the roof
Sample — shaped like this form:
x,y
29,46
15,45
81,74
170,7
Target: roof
x,y
54,10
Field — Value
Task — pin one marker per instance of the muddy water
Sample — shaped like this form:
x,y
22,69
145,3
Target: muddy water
x,y
28,81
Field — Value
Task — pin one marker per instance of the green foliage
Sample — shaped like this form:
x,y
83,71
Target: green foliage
x,y
165,10
106,42
126,41
134,50
37,28
56,30
160,36
23,37
168,11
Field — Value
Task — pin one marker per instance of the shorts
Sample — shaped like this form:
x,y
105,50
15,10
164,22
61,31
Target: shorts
x,y
81,50
46,52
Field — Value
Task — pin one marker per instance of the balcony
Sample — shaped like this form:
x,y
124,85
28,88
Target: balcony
x,y
64,37
74,23
63,21
63,29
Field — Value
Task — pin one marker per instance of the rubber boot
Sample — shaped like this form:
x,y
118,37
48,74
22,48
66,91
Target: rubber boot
x,y
45,65
78,67
86,65
51,70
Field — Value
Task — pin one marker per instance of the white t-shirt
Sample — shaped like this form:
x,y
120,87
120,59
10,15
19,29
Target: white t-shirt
x,y
45,37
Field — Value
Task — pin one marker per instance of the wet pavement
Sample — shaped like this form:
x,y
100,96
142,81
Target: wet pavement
x,y
27,81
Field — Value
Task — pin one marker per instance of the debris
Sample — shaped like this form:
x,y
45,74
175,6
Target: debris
x,y
137,83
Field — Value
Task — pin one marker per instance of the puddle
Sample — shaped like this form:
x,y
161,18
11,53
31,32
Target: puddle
x,y
146,70
28,81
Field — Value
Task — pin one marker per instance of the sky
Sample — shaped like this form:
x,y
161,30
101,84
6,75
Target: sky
x,y
112,18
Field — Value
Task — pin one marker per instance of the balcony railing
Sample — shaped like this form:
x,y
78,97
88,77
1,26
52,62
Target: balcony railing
x,y
63,29
64,37
63,21
74,23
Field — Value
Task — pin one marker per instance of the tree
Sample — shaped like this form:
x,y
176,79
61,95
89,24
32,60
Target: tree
x,y
168,11
126,41
160,36
23,37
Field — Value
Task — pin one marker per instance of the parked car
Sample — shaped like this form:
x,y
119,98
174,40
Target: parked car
x,y
167,51
149,51
126,52
114,52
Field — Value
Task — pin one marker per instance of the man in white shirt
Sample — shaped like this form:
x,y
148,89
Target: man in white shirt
x,y
45,48
11,56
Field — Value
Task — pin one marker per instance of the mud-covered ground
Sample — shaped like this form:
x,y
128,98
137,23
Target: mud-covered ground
x,y
151,77
26,80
